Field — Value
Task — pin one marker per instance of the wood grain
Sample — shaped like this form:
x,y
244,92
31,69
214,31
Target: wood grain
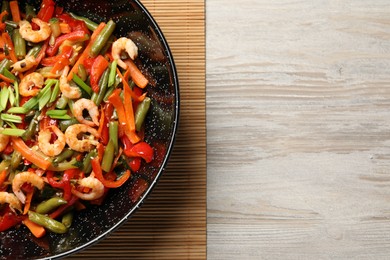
x,y
171,224
298,143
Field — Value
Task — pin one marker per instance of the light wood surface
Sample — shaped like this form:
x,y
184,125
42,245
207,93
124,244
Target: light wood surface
x,y
298,129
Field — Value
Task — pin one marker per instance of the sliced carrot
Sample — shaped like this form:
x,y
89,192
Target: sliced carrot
x,y
86,51
136,75
126,85
37,230
4,78
128,104
13,5
28,202
65,28
40,161
8,41
3,176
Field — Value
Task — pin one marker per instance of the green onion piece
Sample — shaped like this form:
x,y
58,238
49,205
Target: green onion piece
x,y
44,99
4,94
8,74
11,118
55,92
62,102
17,110
31,103
16,88
32,127
50,82
12,125
34,51
12,132
5,64
113,133
82,84
11,96
111,77
108,156
63,117
19,44
90,24
30,12
56,112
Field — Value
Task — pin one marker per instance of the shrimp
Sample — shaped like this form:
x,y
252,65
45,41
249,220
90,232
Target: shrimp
x,y
78,108
4,140
67,90
25,64
72,133
123,44
26,86
30,35
97,188
11,200
44,141
22,178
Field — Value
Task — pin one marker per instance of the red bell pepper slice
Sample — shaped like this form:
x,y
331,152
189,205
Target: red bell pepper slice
x,y
135,164
9,219
75,25
108,183
64,183
141,149
73,36
99,65
46,10
51,61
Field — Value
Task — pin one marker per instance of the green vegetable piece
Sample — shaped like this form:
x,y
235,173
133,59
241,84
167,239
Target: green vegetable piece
x,y
32,127
17,110
56,112
15,159
11,118
90,24
82,84
44,99
87,166
111,78
4,94
62,102
5,7
5,64
11,96
8,74
141,112
102,38
55,92
98,98
113,133
34,51
12,132
65,154
108,156
19,44
30,12
72,164
49,205
64,124
67,219
47,222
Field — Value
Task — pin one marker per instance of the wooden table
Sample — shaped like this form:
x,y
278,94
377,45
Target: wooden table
x,y
298,132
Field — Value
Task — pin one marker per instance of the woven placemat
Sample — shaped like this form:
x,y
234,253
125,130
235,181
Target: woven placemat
x,y
171,224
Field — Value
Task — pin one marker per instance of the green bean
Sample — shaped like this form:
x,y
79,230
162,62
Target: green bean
x,y
19,44
15,159
47,222
90,24
108,44
102,38
102,88
34,51
65,154
111,77
140,113
62,102
64,124
32,127
5,7
30,12
49,205
113,133
82,72
108,156
82,84
55,30
87,167
11,24
16,88
62,166
4,165
13,132
67,219
108,94
5,64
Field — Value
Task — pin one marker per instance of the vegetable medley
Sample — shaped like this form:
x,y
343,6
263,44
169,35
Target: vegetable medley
x,y
72,110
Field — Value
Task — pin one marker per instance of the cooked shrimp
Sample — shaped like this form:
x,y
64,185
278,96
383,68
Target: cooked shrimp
x,y
25,64
81,145
123,44
11,200
66,89
78,108
97,188
22,178
44,141
26,86
30,35
4,140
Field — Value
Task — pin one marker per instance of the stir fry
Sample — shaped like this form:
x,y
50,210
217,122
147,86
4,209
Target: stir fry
x,y
73,103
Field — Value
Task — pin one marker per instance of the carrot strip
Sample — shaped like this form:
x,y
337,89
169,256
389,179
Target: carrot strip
x,y
28,202
19,145
65,28
136,75
128,104
10,45
13,5
3,176
126,85
4,78
86,51
37,230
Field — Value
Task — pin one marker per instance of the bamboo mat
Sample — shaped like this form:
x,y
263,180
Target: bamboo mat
x,y
171,224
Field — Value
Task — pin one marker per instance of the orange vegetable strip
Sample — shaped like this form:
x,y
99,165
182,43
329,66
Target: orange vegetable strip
x,y
128,104
28,202
65,28
126,84
37,230
86,51
10,45
108,183
40,161
3,176
4,78
136,75
13,5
